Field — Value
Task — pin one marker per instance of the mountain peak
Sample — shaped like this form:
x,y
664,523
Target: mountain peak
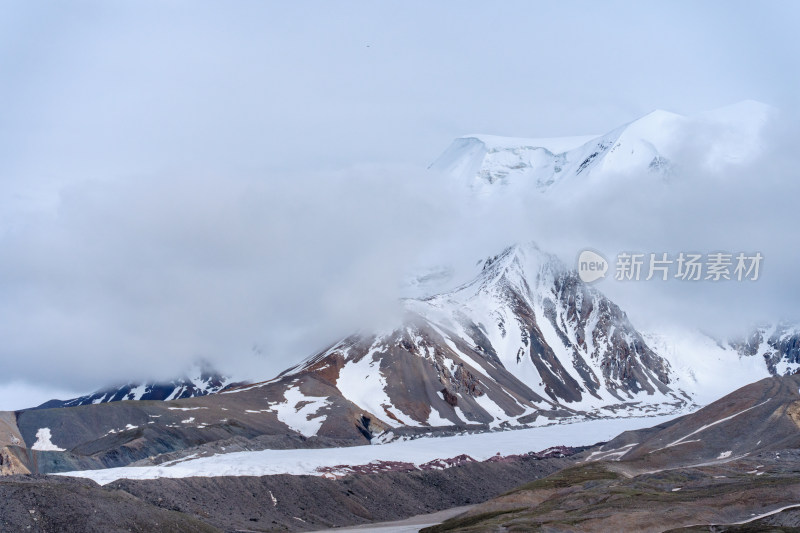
x,y
555,145
660,114
523,266
648,146
527,259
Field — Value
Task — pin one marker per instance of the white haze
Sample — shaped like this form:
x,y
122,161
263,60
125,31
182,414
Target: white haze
x,y
244,184
133,279
740,207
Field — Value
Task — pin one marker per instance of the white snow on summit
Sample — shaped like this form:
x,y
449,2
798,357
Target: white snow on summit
x,y
649,145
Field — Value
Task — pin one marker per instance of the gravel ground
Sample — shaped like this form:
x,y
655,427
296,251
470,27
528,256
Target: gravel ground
x,y
50,504
304,503
409,525
45,504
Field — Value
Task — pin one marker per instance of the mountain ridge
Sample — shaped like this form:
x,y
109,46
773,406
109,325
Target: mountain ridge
x,y
200,380
648,145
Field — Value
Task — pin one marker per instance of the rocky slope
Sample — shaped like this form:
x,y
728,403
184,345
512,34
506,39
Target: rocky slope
x,y
761,417
526,342
120,433
52,505
249,503
732,462
720,465
303,503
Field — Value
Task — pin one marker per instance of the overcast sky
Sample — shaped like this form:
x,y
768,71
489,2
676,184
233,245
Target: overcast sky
x,y
243,181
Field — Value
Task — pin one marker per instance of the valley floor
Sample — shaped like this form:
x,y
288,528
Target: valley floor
x,y
340,461
267,503
409,525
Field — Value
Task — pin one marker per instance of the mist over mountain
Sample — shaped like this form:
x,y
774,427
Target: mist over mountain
x,y
174,189
714,189
295,266
253,274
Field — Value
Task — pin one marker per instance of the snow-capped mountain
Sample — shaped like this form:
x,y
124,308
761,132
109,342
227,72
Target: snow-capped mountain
x,y
704,367
526,342
649,145
778,345
200,381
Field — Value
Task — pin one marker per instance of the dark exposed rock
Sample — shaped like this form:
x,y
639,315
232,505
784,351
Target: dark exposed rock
x,y
449,397
397,491
46,504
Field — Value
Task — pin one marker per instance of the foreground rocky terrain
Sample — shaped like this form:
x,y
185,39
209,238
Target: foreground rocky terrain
x,y
722,468
601,498
51,504
731,466
267,503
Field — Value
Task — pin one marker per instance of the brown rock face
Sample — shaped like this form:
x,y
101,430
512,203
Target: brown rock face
x,y
449,397
10,462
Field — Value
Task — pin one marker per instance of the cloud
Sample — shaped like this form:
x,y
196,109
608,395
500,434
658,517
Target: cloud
x,y
243,184
742,205
16,395
137,278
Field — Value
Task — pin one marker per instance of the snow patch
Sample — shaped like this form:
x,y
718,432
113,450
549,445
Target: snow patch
x,y
479,446
300,412
435,419
617,454
362,383
43,442
721,420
